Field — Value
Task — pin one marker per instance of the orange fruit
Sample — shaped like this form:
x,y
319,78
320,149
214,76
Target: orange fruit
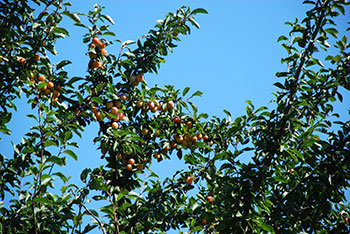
x,y
189,180
96,64
104,52
42,78
129,167
50,85
96,40
131,161
115,125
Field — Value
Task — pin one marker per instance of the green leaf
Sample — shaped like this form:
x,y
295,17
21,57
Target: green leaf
x,y
128,42
89,227
228,115
50,143
62,176
61,30
282,38
45,179
57,160
32,116
198,93
73,16
84,174
185,91
194,23
121,194
332,31
72,154
109,33
97,100
62,64
199,10
279,85
280,179
266,227
309,2
107,17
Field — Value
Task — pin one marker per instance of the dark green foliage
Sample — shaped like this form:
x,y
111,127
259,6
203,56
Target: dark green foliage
x,y
300,160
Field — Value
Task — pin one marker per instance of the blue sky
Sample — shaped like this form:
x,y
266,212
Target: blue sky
x,y
231,59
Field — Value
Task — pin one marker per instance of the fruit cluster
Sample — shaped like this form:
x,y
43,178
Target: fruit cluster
x,y
97,49
46,86
183,134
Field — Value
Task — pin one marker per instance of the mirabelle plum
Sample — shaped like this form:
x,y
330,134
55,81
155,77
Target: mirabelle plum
x,y
144,131
118,103
209,199
109,105
189,180
170,105
36,57
114,110
176,120
96,64
123,97
139,103
132,78
41,78
131,161
96,40
173,144
157,155
188,124
140,78
115,125
21,60
104,51
50,84
129,167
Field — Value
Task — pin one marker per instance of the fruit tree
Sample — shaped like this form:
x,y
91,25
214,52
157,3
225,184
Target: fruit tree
x,y
295,181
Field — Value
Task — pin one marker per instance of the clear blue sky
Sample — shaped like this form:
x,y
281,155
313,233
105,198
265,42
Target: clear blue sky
x,y
232,58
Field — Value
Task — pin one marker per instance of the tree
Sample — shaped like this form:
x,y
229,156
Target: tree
x,y
294,183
